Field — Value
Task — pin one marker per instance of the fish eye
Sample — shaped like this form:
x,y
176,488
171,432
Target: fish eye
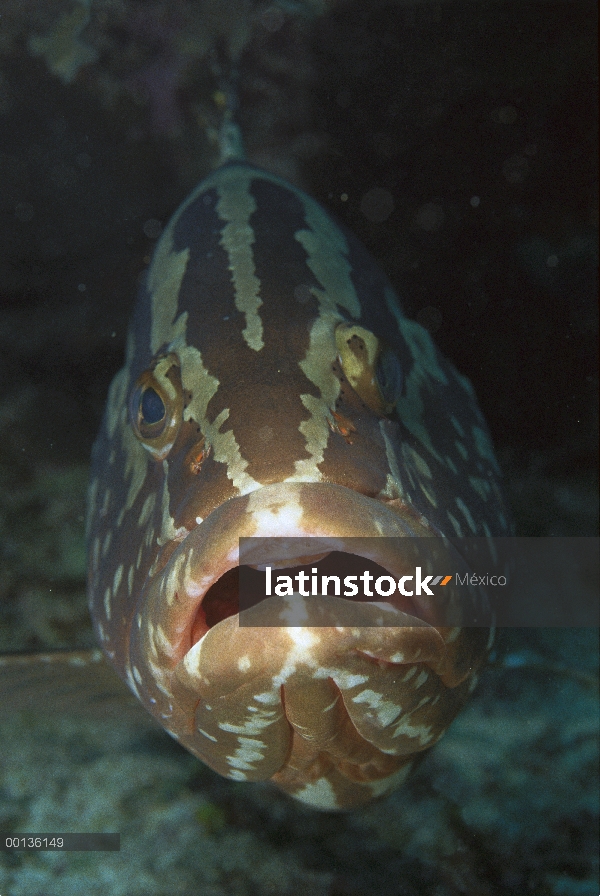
x,y
156,406
388,375
371,367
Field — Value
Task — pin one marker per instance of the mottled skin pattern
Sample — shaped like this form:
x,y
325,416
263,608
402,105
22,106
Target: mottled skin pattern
x,y
260,336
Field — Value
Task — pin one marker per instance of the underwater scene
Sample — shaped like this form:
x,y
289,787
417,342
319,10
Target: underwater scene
x,y
457,141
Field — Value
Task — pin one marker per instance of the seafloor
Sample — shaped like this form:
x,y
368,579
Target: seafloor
x,y
459,142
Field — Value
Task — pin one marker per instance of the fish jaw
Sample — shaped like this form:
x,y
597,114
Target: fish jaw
x,y
333,710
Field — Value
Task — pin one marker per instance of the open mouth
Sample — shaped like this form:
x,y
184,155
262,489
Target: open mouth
x,y
221,668
290,525
220,601
243,587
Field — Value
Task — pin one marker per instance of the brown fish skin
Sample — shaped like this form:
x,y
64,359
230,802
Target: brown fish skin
x,y
273,387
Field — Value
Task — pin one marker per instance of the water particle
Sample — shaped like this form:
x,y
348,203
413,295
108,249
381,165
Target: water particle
x,y
24,211
430,217
377,205
152,228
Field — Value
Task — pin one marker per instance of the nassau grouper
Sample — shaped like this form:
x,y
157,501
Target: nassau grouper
x,y
273,387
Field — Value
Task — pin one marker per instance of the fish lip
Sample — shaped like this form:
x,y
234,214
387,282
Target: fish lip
x,y
294,510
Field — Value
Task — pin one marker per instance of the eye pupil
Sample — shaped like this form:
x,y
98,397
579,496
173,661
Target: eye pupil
x,y
388,374
152,407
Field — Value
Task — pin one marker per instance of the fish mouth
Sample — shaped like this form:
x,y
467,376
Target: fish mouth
x,y
241,588
199,586
191,652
